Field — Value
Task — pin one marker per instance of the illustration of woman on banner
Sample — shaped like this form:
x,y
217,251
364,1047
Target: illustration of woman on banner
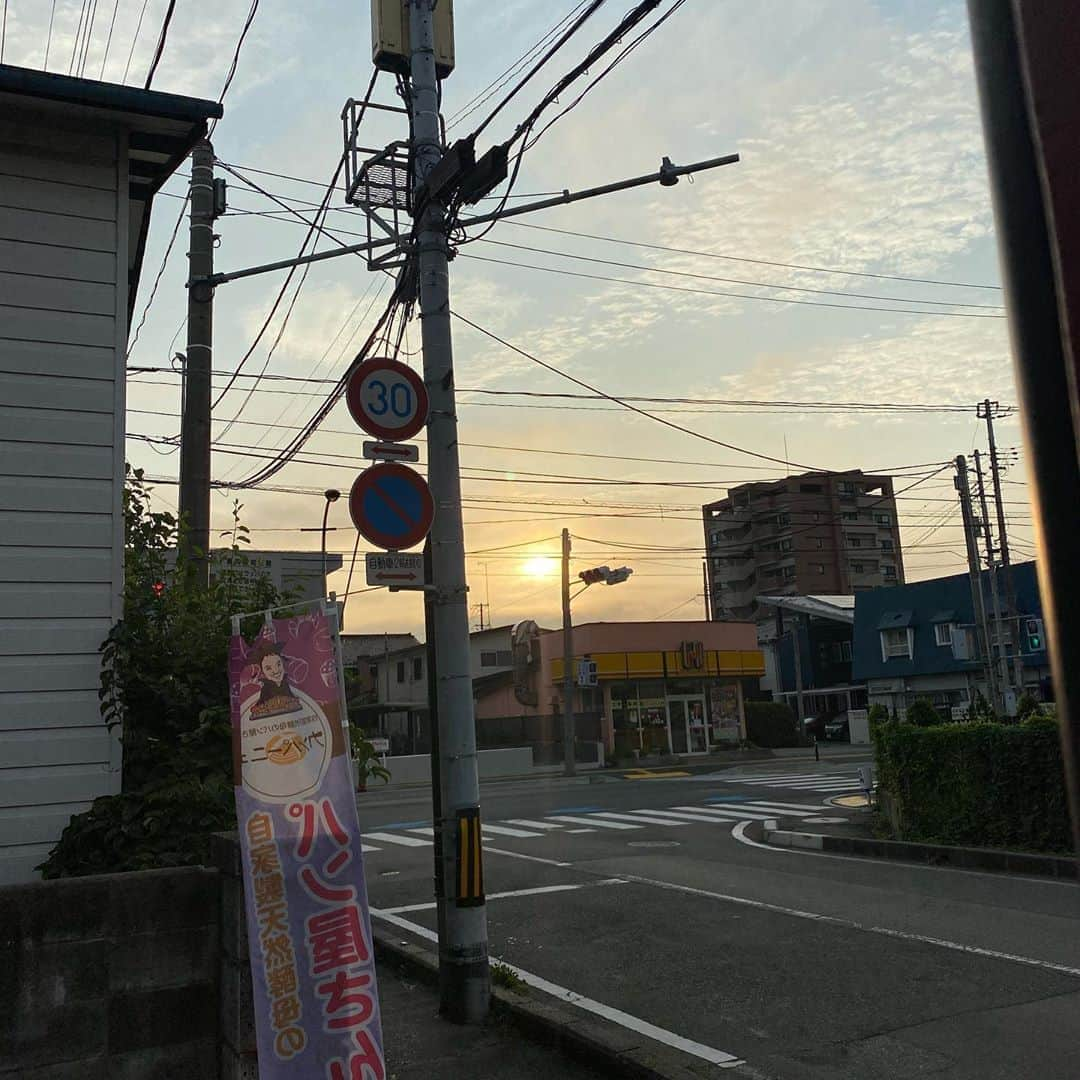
x,y
277,695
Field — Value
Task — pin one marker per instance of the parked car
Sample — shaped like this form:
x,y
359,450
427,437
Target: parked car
x,y
838,729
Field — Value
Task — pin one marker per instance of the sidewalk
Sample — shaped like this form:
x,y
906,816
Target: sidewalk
x,y
420,1045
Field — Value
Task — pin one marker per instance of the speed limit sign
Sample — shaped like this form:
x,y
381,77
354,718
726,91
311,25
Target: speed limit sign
x,y
387,399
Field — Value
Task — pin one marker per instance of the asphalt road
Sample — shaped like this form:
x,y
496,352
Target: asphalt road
x,y
650,897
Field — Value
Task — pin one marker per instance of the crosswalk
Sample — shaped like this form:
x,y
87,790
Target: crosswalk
x,y
822,784
595,820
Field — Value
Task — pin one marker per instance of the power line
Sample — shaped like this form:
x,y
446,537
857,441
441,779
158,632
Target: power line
x,y
231,73
48,40
162,36
157,277
739,281
747,259
727,293
3,33
78,37
108,40
134,40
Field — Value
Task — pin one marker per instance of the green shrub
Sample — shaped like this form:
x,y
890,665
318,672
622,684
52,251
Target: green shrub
x,y
922,714
983,785
878,714
771,723
1027,706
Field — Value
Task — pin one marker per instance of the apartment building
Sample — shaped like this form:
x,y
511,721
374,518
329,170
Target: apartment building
x,y
818,533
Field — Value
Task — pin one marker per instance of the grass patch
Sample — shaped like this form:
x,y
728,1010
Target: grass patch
x,y
507,978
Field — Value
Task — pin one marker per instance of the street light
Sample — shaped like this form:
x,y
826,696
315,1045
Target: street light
x,y
331,495
589,577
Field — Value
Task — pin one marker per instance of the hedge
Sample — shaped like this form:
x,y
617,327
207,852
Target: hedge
x,y
981,785
771,723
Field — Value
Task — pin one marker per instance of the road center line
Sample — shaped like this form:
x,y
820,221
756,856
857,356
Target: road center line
x,y
851,924
539,890
632,1023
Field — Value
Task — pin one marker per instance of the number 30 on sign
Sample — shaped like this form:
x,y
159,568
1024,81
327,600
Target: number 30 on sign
x,y
387,399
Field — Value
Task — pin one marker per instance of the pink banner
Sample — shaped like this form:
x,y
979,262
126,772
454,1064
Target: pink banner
x,y
312,963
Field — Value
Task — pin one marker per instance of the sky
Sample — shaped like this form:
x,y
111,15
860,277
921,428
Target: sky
x,y
860,151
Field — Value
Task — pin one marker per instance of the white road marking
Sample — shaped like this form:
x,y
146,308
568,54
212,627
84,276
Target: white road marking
x,y
707,820
398,838
591,820
502,830
521,855
575,831
632,1023
539,890
637,815
728,815
423,830
851,924
754,777
814,785
532,824
369,847
788,807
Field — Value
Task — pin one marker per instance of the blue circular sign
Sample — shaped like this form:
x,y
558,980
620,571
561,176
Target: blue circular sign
x,y
391,506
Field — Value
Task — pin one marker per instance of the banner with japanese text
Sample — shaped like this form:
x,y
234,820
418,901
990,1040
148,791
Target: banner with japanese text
x,y
312,962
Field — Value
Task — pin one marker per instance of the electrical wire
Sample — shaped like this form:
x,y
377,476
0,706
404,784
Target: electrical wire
x,y
727,293
3,33
230,75
81,68
108,40
48,40
747,259
160,48
157,278
78,38
134,40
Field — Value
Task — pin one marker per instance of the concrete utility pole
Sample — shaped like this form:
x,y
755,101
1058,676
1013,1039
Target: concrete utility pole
x,y
988,539
568,724
463,955
987,411
982,630
195,423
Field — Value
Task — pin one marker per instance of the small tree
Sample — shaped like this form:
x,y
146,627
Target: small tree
x,y
165,685
922,714
980,710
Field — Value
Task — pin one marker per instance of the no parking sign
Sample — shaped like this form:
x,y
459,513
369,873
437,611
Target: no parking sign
x,y
391,506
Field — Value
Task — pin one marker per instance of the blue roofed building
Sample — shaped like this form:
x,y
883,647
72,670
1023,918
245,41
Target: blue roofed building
x,y
919,641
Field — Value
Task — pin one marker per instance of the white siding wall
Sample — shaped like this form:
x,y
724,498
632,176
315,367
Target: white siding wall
x,y
63,289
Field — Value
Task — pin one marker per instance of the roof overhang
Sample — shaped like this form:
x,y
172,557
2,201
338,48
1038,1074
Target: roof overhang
x,y
162,129
811,605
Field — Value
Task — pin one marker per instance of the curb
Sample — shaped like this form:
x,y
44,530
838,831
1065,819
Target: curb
x,y
1013,862
542,1018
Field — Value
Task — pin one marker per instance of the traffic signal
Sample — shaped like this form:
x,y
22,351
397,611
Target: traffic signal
x,y
597,574
1034,635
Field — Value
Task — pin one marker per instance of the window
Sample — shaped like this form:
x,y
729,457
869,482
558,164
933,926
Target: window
x,y
845,651
849,515
417,668
401,671
783,519
943,634
846,487
789,573
489,659
889,571
896,644
818,567
785,545
820,544
811,489
817,516
886,545
505,658
858,568
854,541
882,519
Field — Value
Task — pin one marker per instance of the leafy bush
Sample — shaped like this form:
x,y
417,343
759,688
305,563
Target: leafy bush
x,y
980,710
165,684
878,714
987,785
1027,706
365,759
922,714
771,723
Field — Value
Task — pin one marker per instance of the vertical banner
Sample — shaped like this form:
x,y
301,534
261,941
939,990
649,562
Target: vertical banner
x,y
312,962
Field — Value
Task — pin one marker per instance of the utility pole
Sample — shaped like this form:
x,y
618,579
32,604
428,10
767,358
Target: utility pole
x,y
796,643
568,725
975,576
195,423
988,538
705,585
465,987
987,412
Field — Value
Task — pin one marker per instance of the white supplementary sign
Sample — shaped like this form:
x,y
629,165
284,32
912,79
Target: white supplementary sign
x,y
388,451
397,571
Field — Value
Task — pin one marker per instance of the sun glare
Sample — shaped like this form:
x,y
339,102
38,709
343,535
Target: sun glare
x,y
540,566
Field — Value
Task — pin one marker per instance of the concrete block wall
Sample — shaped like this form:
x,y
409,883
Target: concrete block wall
x,y
111,976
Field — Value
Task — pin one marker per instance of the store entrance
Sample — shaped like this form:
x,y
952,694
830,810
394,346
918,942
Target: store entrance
x,y
686,724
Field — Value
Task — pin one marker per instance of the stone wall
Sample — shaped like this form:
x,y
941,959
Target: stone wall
x,y
111,976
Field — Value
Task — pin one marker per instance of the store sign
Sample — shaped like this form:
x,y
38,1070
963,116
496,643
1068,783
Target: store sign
x,y
693,655
312,962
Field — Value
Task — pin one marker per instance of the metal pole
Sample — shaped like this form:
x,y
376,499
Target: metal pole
x,y
568,724
1040,345
975,577
330,495
1003,550
988,539
195,425
800,706
705,585
465,990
